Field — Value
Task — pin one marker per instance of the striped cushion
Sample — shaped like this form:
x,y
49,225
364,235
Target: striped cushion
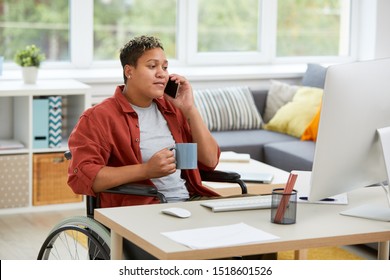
x,y
230,108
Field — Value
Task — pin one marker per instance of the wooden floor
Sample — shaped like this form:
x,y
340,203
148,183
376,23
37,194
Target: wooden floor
x,y
21,235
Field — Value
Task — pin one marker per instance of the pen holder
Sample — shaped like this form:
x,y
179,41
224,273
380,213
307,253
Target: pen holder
x,y
283,207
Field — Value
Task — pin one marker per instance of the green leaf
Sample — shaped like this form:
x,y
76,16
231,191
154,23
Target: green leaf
x,y
31,55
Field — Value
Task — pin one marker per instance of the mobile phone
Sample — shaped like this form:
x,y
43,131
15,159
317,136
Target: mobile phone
x,y
171,88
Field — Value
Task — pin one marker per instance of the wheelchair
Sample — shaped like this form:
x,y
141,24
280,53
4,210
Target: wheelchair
x,y
83,238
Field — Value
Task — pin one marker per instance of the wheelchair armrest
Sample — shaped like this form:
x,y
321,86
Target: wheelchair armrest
x,y
217,175
224,176
142,190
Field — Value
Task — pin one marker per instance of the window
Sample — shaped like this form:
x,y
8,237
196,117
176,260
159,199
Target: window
x,y
231,27
254,31
194,32
313,28
116,21
44,23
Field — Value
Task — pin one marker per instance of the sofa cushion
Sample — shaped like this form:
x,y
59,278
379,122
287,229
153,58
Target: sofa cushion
x,y
314,76
290,155
311,130
279,94
249,141
295,116
228,108
260,98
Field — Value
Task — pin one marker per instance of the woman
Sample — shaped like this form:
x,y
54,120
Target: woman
x,y
127,137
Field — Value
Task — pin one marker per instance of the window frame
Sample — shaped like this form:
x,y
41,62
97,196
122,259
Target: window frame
x,y
81,33
81,40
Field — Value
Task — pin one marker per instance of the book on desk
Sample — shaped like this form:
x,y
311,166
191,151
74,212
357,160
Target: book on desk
x,y
230,156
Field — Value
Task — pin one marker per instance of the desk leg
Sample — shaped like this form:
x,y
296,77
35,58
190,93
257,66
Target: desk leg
x,y
383,250
300,254
116,246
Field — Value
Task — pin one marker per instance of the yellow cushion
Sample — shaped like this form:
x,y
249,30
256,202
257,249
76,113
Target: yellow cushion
x,y
311,130
296,115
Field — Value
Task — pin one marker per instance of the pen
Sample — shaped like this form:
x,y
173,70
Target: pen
x,y
324,199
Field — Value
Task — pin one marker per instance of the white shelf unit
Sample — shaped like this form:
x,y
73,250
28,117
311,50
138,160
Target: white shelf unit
x,y
16,123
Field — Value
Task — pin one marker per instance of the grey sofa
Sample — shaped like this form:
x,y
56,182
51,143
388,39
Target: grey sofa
x,y
276,149
223,114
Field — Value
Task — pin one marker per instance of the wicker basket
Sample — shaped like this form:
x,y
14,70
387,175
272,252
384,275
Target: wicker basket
x,y
50,180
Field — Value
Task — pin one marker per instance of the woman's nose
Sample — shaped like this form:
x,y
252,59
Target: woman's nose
x,y
161,73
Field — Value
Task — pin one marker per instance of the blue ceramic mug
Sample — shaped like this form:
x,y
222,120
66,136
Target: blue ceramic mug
x,y
186,155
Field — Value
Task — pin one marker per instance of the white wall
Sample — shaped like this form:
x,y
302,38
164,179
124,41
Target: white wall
x,y
382,46
374,39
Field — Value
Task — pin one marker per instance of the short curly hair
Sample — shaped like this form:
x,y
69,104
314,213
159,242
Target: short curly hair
x,y
135,48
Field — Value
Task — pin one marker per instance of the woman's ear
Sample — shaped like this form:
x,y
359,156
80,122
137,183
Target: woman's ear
x,y
128,71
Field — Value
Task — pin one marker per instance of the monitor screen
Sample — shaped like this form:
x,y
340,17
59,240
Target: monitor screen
x,y
356,102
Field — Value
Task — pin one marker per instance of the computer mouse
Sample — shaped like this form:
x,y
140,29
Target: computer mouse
x,y
177,212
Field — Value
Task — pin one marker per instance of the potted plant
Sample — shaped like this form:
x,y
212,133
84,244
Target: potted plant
x,y
30,59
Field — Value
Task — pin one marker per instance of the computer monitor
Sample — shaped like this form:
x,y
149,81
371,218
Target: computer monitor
x,y
348,154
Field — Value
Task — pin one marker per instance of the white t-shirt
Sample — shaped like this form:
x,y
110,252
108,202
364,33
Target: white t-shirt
x,y
155,136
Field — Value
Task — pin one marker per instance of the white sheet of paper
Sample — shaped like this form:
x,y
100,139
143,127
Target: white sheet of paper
x,y
220,236
302,185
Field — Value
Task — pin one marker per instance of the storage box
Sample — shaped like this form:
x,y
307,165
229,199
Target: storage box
x,y
14,181
50,172
40,123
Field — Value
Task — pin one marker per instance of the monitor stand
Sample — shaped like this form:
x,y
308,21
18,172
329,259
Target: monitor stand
x,y
370,211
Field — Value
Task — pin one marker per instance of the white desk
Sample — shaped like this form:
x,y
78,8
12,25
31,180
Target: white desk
x,y
317,225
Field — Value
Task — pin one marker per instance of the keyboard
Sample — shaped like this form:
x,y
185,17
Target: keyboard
x,y
250,203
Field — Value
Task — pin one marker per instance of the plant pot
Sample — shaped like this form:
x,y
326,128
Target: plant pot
x,y
30,74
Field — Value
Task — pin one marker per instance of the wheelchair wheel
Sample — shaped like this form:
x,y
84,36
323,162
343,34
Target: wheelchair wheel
x,y
76,238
